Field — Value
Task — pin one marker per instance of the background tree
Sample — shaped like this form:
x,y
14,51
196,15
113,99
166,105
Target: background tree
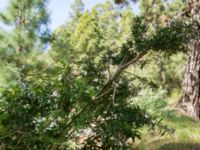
x,y
24,43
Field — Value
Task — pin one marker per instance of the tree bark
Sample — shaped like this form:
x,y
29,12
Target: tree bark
x,y
190,99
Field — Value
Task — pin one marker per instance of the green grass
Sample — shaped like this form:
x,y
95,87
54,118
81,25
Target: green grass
x,y
186,136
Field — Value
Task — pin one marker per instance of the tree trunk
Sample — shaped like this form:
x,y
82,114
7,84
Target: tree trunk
x,y
190,100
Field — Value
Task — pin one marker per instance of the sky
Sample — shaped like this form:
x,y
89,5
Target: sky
x,y
59,10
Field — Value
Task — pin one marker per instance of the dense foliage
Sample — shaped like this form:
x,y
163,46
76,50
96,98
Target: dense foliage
x,y
80,93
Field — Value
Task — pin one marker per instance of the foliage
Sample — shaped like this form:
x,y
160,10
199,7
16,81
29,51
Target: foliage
x,y
80,86
172,38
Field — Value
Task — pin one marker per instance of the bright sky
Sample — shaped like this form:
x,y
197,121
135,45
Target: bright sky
x,y
59,9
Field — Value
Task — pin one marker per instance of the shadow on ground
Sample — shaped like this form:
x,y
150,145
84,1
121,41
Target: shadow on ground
x,y
179,146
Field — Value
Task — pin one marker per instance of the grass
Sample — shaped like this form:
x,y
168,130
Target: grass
x,y
186,136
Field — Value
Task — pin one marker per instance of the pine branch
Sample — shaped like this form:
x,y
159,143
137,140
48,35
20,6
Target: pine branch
x,y
108,87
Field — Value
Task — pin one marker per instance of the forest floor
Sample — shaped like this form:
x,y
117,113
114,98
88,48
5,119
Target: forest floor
x,y
186,136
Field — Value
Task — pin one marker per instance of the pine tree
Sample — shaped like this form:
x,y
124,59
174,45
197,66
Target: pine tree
x,y
77,9
27,37
62,45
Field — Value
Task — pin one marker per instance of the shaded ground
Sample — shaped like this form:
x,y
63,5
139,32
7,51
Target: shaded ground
x,y
179,146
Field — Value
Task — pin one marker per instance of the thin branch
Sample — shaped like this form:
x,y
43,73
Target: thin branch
x,y
107,88
114,93
102,95
120,69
